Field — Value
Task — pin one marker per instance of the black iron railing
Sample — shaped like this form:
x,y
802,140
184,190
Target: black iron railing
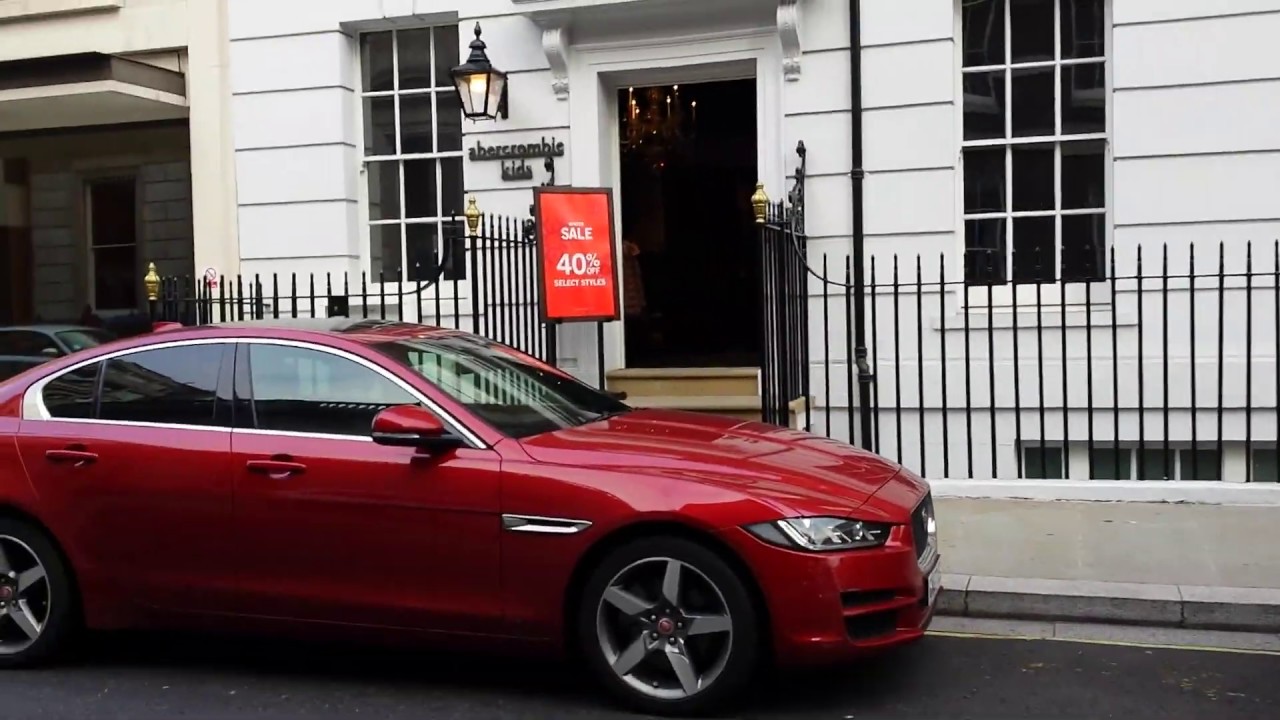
x,y
483,282
1167,369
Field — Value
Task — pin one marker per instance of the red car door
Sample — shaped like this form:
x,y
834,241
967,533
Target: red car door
x,y
130,461
332,527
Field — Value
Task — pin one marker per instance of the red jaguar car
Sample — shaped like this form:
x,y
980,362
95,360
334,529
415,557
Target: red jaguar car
x,y
387,480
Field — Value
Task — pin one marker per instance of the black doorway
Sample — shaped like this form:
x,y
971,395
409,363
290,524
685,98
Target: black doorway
x,y
691,280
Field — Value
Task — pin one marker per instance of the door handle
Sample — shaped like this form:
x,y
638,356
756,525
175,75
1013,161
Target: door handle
x,y
79,457
278,469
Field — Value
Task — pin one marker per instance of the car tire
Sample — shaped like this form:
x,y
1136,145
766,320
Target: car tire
x,y
713,630
37,592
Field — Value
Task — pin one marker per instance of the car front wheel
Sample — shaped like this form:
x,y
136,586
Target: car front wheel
x,y
36,598
669,627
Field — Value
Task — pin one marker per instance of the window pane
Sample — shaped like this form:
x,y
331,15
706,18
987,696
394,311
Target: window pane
x,y
1155,465
451,190
384,253
380,126
297,390
375,62
1034,250
384,190
420,189
985,252
1084,99
1111,464
416,124
1266,466
1083,29
1199,465
448,121
983,32
1033,177
422,245
984,180
71,395
1031,30
1033,102
1043,463
114,204
1084,179
1084,247
175,386
115,284
26,344
984,105
447,54
415,58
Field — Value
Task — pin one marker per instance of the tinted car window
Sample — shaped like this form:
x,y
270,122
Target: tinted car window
x,y
71,394
24,343
301,390
174,386
513,392
77,340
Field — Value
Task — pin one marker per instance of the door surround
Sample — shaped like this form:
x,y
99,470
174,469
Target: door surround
x,y
597,71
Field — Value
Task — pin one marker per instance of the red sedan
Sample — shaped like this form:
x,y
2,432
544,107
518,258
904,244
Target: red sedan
x,y
387,480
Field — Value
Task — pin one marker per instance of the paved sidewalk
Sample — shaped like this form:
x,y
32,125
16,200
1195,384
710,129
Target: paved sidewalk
x,y
1204,566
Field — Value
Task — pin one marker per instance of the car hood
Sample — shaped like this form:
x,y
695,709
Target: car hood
x,y
795,471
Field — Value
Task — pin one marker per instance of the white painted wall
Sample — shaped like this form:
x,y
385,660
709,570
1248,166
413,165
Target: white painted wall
x,y
1196,159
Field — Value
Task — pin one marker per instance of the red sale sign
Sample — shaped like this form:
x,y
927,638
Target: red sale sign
x,y
579,274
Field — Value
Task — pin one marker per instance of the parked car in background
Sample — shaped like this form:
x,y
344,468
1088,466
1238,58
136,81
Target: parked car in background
x,y
389,480
25,347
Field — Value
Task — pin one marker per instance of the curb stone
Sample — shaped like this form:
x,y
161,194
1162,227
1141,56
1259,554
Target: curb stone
x,y
1174,606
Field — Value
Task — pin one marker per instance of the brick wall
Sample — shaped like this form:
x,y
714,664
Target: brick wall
x,y
166,218
56,252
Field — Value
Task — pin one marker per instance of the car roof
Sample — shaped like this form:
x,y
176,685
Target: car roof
x,y
362,330
47,328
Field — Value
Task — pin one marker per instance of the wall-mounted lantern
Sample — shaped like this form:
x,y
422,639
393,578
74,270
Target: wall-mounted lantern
x,y
481,87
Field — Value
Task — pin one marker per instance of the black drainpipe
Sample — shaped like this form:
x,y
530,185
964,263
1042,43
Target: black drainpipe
x,y
859,238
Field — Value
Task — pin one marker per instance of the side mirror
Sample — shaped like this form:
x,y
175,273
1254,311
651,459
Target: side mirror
x,y
412,426
51,352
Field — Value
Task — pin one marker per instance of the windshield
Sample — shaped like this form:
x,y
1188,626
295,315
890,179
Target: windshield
x,y
516,394
77,340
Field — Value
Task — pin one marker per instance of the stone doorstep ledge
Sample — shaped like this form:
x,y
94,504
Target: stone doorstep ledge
x,y
1154,491
1174,606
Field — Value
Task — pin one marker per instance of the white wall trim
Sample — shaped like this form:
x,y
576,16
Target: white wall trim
x,y
555,45
788,19
1158,491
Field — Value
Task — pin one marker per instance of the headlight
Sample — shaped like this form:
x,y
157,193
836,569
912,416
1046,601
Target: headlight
x,y
822,534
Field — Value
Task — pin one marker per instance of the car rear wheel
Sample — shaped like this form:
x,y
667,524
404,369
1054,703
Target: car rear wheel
x,y
37,602
669,627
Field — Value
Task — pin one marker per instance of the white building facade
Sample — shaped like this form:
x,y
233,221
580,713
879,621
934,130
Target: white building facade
x,y
1025,153
116,147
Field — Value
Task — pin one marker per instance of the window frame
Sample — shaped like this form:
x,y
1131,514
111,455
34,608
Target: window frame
x,y
1095,293
363,161
452,423
33,407
88,181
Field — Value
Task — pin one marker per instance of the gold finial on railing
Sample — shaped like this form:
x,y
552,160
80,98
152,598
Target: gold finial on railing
x,y
760,203
473,215
152,283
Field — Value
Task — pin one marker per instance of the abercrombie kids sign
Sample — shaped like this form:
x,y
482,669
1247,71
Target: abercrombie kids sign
x,y
513,157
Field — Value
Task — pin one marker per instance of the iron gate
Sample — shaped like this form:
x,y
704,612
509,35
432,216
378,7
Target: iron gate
x,y
784,370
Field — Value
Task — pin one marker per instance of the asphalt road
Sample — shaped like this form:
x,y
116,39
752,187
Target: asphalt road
x,y
140,678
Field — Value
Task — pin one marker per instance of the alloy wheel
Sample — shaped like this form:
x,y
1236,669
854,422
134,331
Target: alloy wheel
x,y
664,628
25,598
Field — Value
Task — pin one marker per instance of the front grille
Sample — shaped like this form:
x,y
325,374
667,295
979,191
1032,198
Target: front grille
x,y
920,525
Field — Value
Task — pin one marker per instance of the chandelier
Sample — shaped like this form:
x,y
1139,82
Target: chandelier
x,y
656,126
